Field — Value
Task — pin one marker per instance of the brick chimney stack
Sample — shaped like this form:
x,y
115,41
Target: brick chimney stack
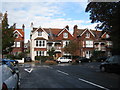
x,y
67,27
23,27
75,31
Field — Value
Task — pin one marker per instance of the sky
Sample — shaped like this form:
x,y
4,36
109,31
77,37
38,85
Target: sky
x,y
47,14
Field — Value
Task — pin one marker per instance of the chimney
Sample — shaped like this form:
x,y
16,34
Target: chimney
x,y
23,27
31,25
14,25
75,31
75,27
67,27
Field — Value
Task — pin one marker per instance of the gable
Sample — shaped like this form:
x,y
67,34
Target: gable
x,y
65,30
105,35
39,29
61,35
16,31
86,30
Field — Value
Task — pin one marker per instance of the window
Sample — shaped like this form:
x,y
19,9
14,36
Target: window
x,y
65,43
87,35
18,44
39,53
40,43
16,35
65,35
39,33
107,36
89,43
13,45
37,43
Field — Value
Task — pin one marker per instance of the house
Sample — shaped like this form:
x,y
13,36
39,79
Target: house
x,y
18,46
27,47
44,39
90,40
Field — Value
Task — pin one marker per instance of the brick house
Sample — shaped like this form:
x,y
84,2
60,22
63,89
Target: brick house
x,y
43,39
18,46
90,40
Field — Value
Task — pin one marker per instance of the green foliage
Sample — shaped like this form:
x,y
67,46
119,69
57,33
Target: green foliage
x,y
107,13
7,36
19,56
97,54
72,48
51,51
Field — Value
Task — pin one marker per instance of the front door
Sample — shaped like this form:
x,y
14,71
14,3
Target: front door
x,y
88,54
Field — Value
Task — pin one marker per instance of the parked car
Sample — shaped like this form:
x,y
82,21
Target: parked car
x,y
111,64
63,59
9,80
28,59
13,64
101,59
82,59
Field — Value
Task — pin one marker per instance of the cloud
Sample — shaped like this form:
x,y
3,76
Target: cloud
x,y
44,14
44,1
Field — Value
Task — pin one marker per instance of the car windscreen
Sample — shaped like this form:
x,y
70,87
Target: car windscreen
x,y
117,59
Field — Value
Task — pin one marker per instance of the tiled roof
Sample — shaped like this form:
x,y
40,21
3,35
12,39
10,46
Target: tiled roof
x,y
97,33
54,31
40,38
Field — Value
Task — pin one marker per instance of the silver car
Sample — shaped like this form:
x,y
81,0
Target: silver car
x,y
9,80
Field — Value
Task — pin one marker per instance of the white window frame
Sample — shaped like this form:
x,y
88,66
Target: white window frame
x,y
107,36
40,43
87,35
39,33
17,44
40,53
89,43
16,35
65,43
65,35
13,45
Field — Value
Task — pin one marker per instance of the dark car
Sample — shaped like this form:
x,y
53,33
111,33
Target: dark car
x,y
111,64
28,59
82,59
101,59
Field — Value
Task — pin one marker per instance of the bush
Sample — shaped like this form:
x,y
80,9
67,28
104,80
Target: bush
x,y
50,62
43,58
10,56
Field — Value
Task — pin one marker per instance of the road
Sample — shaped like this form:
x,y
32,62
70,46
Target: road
x,y
81,76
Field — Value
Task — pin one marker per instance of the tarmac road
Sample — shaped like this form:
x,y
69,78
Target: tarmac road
x,y
85,75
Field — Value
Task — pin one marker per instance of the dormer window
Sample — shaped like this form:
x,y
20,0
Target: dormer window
x,y
87,35
107,36
39,33
65,35
16,35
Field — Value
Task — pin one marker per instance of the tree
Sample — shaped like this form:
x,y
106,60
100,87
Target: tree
x,y
51,52
107,13
1,35
7,36
72,48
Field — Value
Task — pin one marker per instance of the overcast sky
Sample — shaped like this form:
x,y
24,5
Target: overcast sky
x,y
49,14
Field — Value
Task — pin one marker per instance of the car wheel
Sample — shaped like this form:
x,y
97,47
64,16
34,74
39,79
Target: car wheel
x,y
102,69
79,61
59,62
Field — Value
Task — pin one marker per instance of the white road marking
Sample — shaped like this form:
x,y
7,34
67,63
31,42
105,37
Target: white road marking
x,y
62,72
29,71
50,67
93,84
